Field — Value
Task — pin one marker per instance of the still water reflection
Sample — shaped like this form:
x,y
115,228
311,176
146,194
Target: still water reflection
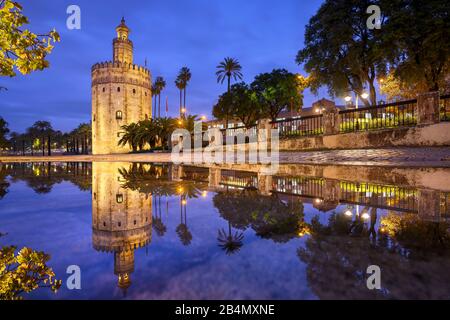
x,y
156,231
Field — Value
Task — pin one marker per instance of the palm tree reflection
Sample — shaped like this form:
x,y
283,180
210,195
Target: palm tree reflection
x,y
230,243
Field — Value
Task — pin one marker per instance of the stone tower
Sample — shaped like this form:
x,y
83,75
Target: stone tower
x,y
121,94
121,218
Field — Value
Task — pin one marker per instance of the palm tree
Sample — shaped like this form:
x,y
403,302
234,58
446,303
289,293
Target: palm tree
x,y
155,93
160,84
184,76
230,243
227,69
182,230
129,135
164,128
180,87
146,133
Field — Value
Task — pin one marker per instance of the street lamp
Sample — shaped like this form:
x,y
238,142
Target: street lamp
x,y
203,118
364,95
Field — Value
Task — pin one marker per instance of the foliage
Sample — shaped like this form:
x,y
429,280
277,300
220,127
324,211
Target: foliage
x,y
244,104
277,91
395,90
24,273
3,132
20,48
268,216
340,52
416,40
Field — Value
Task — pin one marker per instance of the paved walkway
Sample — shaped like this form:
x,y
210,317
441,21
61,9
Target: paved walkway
x,y
427,157
439,156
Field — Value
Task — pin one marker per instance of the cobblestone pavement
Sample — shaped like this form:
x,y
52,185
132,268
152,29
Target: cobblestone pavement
x,y
439,156
392,156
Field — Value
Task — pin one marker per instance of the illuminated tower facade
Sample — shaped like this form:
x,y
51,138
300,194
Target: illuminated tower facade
x,y
121,218
121,94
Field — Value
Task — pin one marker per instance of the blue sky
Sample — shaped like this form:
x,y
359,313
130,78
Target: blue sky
x,y
170,34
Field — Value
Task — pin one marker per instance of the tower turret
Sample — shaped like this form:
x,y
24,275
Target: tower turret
x,y
122,46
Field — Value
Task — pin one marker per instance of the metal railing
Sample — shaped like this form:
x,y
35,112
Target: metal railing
x,y
239,135
444,107
389,115
299,127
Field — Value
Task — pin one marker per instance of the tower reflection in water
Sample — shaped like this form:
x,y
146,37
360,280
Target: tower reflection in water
x,y
121,218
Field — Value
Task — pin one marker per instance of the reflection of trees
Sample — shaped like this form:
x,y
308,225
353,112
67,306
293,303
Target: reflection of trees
x,y
41,177
182,230
337,257
24,273
154,180
270,217
230,243
158,224
4,184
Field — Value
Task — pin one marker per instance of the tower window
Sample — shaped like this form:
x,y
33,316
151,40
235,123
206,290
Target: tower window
x,y
104,89
145,93
119,224
93,118
134,90
119,198
118,115
118,89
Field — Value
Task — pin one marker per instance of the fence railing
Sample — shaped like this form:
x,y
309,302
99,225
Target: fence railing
x,y
240,134
389,115
298,127
444,107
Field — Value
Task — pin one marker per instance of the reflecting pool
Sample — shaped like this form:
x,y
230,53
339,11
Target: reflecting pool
x,y
160,231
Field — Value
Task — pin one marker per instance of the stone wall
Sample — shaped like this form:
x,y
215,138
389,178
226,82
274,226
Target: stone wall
x,y
420,136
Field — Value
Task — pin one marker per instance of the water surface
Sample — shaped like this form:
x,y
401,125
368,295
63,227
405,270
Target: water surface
x,y
156,231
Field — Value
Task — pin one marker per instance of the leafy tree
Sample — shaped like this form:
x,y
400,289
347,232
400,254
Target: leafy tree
x,y
3,133
340,52
24,273
395,90
245,104
20,48
417,40
43,129
278,91
223,109
227,69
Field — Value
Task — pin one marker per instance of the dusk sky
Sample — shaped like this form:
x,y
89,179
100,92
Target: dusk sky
x,y
261,34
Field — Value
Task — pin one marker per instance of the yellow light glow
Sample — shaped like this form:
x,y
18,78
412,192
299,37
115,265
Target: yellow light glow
x,y
365,95
183,202
348,213
204,194
348,98
366,216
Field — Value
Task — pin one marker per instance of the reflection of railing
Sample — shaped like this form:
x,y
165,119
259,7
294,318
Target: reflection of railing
x,y
445,205
380,196
390,115
444,107
241,179
298,127
304,186
197,174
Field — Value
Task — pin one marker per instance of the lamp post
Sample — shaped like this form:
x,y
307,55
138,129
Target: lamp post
x,y
364,95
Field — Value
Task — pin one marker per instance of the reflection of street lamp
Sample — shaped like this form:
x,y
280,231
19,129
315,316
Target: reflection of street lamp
x,y
348,213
